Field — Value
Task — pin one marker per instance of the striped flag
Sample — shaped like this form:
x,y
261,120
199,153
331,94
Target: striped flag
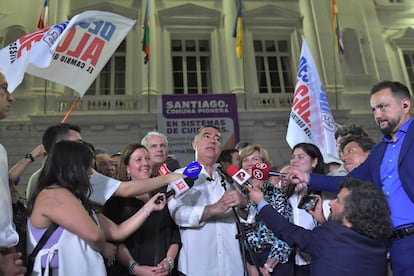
x,y
42,21
238,31
146,36
339,45
311,119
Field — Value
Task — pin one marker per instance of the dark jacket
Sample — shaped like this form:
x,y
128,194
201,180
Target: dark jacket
x,y
335,249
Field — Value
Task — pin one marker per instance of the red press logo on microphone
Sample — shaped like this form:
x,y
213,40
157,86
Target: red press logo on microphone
x,y
258,174
181,185
241,176
163,170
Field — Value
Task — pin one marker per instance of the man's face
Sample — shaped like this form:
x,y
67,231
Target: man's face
x,y
157,149
353,156
5,98
338,206
207,145
104,164
389,113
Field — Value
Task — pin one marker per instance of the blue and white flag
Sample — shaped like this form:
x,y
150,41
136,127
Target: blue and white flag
x,y
311,119
71,53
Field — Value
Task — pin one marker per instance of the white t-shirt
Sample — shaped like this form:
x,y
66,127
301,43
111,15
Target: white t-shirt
x,y
8,234
103,187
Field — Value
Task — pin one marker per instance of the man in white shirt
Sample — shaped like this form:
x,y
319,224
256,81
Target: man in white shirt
x,y
10,261
207,223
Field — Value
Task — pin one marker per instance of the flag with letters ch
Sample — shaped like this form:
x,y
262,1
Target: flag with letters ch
x,y
311,119
71,53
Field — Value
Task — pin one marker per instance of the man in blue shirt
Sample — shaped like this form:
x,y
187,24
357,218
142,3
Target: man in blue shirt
x,y
389,166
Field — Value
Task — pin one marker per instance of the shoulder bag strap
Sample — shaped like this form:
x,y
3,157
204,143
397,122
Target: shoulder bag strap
x,y
39,246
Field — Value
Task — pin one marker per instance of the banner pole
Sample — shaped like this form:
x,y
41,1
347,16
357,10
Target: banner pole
x,y
75,103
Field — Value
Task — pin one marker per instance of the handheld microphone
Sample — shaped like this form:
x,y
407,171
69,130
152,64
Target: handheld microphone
x,y
178,188
262,171
224,174
239,176
181,185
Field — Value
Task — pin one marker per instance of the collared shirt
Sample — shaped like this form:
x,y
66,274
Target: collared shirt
x,y
8,234
402,208
208,247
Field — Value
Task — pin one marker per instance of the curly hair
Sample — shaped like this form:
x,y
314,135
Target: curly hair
x,y
365,143
366,208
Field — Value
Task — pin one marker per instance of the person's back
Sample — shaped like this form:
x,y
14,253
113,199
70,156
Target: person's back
x,y
341,251
354,240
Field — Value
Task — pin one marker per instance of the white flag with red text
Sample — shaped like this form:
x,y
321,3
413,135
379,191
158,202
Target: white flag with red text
x,y
71,53
311,119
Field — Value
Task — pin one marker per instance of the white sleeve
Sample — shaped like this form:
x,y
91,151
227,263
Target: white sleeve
x,y
103,187
8,234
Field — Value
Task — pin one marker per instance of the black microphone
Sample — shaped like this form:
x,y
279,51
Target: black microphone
x,y
178,188
224,174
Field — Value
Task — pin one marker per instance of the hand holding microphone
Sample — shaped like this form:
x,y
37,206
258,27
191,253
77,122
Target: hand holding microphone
x,y
182,185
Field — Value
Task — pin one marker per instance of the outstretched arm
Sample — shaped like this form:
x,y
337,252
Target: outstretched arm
x,y
136,187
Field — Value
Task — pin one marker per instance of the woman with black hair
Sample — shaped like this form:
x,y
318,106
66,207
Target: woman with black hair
x,y
79,245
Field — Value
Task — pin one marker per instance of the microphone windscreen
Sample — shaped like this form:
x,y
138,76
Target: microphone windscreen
x,y
232,170
172,164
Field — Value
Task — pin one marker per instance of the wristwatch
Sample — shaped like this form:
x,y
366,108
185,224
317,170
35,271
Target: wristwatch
x,y
29,156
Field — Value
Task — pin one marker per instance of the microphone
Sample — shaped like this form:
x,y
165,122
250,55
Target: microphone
x,y
262,171
178,188
224,174
239,176
181,185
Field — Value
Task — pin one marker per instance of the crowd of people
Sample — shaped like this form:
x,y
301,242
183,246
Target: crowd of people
x,y
93,212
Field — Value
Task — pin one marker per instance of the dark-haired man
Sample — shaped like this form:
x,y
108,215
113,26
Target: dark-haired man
x,y
352,242
389,166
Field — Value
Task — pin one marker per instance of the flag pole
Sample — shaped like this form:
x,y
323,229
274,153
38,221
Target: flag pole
x,y
75,103
149,85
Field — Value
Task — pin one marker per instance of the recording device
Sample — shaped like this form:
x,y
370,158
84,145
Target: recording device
x,y
239,176
308,202
181,185
262,171
178,187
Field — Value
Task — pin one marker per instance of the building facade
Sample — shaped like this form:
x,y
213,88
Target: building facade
x,y
193,52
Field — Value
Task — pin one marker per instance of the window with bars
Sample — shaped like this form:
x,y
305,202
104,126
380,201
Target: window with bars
x,y
273,66
191,66
409,66
111,80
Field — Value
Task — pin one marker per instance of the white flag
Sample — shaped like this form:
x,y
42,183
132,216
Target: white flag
x,y
71,53
311,119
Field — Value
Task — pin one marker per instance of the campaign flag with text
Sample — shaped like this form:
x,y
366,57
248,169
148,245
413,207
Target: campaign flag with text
x,y
311,119
71,53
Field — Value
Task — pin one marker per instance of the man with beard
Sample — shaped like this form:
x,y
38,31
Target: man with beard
x,y
389,166
352,242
